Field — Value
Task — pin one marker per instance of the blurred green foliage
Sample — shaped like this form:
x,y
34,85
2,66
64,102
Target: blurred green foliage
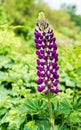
x,y
21,106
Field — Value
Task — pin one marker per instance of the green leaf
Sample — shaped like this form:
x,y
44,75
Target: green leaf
x,y
31,125
35,106
74,118
79,103
43,125
3,76
69,83
3,111
64,107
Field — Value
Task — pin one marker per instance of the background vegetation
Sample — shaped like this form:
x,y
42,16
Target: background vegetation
x,y
21,106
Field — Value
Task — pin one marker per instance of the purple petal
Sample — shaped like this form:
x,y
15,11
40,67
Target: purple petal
x,y
48,75
52,79
42,51
38,62
56,59
40,68
49,46
44,33
36,40
47,67
36,33
49,86
54,39
51,35
39,81
55,73
42,63
37,23
40,42
54,64
56,55
54,90
51,71
54,46
43,46
38,46
53,53
45,81
41,37
56,83
37,52
46,92
50,31
50,40
51,58
45,57
41,88
42,75
48,52
40,56
47,37
44,40
38,73
56,76
57,68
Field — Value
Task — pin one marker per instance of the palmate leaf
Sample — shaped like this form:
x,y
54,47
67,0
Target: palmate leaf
x,y
35,106
76,103
64,107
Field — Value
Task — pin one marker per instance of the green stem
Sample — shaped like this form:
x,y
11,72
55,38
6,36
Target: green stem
x,y
50,112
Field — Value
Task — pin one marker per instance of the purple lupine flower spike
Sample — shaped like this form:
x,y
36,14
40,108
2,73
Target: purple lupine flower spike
x,y
47,57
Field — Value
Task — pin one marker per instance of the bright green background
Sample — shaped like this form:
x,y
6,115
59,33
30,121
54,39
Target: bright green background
x,y
21,106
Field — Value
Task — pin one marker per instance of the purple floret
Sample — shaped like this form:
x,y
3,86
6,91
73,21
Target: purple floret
x,y
46,51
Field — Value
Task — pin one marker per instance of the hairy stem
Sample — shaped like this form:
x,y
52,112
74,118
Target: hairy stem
x,y
50,112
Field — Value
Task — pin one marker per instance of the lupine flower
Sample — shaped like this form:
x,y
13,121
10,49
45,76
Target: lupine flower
x,y
46,50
